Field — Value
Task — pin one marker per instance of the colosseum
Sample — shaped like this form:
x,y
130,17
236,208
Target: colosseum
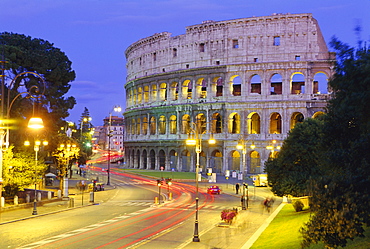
x,y
243,82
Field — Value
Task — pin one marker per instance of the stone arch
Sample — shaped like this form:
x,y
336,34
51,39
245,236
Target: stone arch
x,y
163,92
133,126
162,125
162,160
276,84
317,114
255,162
134,97
216,161
185,157
296,117
145,159
154,93
216,123
234,160
185,124
254,123
153,125
173,124
236,85
201,88
187,89
297,83
256,84
219,86
138,158
152,159
320,83
173,159
145,125
174,92
275,123
146,94
234,123
138,126
140,95
201,122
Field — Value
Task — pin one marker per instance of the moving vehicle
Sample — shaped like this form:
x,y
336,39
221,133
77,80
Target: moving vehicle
x,y
214,190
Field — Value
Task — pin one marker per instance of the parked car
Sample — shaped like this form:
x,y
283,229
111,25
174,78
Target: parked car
x,y
214,190
98,187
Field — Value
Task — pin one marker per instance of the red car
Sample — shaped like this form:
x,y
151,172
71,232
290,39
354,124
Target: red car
x,y
214,190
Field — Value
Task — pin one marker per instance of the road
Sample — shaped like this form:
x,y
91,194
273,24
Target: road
x,y
128,219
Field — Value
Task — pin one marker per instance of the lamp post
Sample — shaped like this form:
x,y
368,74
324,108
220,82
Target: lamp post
x,y
195,139
32,92
36,124
242,145
159,184
64,153
109,134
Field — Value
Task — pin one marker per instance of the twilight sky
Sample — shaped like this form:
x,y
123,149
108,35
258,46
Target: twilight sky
x,y
95,33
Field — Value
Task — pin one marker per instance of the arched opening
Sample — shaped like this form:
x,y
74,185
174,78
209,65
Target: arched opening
x,y
187,89
162,160
185,156
201,122
162,125
146,94
185,124
175,90
276,84
173,124
234,160
145,125
153,126
138,158
275,123
138,126
256,84
133,126
216,161
152,159
145,160
163,92
297,85
202,88
219,86
320,83
317,114
255,162
254,123
139,95
236,85
216,123
154,93
234,123
297,117
173,160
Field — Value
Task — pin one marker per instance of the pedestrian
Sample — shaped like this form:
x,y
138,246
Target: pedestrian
x,y
237,188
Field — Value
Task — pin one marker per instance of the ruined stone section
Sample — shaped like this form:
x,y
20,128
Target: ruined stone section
x,y
250,79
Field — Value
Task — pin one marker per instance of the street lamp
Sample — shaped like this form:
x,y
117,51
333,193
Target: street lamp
x,y
195,139
159,184
32,92
169,183
272,148
109,134
64,153
35,123
242,145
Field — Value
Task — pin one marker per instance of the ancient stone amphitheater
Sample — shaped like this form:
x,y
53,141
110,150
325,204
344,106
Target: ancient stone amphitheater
x,y
246,81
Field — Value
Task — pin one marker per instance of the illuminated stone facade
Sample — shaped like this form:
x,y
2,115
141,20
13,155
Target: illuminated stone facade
x,y
251,78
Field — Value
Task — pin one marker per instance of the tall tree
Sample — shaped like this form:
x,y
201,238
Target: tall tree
x,y
299,160
26,54
341,200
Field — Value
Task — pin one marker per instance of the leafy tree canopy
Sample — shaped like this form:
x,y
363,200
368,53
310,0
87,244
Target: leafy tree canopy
x,y
298,161
25,54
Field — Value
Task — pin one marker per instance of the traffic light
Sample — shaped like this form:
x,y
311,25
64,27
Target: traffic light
x,y
159,183
169,181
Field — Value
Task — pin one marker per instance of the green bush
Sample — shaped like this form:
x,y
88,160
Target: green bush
x,y
298,205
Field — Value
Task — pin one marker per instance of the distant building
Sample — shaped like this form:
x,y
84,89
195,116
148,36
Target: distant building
x,y
115,125
250,79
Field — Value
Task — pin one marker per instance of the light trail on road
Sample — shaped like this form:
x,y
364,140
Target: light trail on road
x,y
135,228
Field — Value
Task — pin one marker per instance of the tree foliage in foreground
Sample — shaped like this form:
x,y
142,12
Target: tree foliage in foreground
x,y
19,171
341,201
299,160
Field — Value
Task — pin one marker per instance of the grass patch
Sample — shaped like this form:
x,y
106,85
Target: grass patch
x,y
283,232
165,174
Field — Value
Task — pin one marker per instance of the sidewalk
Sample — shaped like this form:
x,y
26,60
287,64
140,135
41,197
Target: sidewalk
x,y
55,205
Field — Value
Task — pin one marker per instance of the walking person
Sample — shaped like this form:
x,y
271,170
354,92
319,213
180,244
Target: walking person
x,y
237,186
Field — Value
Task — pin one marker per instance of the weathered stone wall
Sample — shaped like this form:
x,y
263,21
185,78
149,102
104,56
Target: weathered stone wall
x,y
236,77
